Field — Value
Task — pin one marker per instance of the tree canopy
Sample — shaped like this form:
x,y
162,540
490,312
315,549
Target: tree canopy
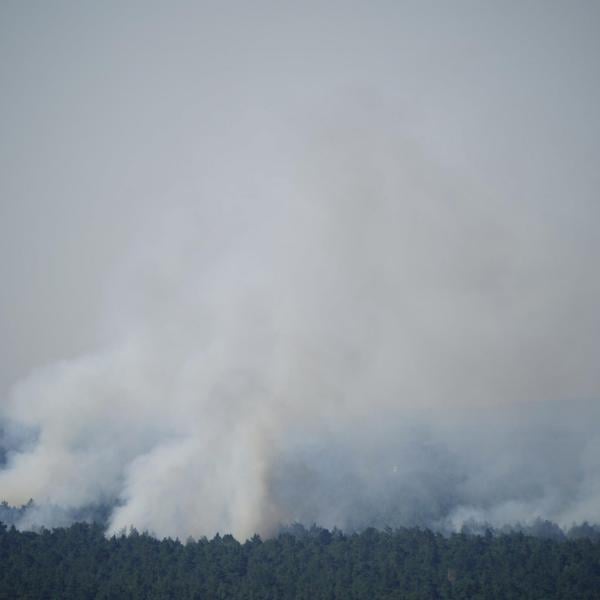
x,y
81,562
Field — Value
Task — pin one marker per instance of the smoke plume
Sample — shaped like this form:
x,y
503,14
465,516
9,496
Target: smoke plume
x,y
326,314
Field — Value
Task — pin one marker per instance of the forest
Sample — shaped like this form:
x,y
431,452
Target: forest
x,y
80,561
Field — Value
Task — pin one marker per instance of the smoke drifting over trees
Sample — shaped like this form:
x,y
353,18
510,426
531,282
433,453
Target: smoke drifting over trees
x,y
283,281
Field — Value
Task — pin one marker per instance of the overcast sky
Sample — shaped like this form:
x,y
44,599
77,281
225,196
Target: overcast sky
x,y
108,111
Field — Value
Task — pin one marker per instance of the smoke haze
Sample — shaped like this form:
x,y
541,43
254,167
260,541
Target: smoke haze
x,y
332,264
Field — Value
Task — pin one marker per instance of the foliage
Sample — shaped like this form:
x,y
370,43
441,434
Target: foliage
x,y
81,562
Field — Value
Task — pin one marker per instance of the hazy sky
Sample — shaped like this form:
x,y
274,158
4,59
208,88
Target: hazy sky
x,y
336,209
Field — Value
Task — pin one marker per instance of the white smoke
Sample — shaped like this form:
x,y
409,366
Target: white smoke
x,y
349,286
365,341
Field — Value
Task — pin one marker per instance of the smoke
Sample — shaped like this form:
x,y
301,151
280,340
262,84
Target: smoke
x,y
332,323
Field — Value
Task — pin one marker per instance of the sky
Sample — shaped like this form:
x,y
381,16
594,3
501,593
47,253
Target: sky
x,y
328,262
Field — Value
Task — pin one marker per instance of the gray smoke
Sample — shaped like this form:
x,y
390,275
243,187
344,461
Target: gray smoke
x,y
336,286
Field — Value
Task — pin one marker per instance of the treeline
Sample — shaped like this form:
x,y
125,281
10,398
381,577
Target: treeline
x,y
80,562
30,515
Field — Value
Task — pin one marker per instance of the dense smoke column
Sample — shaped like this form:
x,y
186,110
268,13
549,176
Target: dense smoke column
x,y
250,281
